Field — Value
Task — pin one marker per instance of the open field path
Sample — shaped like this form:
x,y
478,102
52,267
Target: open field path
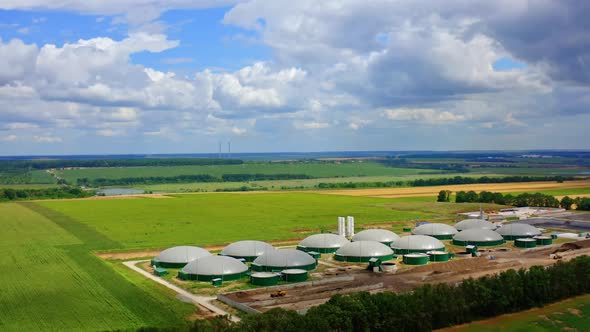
x,y
434,190
204,301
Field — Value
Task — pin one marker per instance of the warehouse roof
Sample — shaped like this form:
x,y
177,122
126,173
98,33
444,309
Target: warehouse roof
x,y
215,265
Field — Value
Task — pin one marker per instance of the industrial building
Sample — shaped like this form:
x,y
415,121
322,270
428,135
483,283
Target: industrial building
x,y
416,244
213,267
436,230
248,250
379,235
517,231
176,257
474,223
322,243
282,259
478,237
363,251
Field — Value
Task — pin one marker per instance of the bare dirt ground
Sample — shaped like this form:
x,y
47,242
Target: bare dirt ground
x,y
434,190
301,297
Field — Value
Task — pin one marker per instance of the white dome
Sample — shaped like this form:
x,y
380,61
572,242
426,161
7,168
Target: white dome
x,y
248,248
417,243
478,235
518,230
324,241
215,266
364,249
434,229
284,258
181,254
379,235
474,223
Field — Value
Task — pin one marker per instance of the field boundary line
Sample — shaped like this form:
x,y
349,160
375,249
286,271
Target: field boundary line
x,y
204,301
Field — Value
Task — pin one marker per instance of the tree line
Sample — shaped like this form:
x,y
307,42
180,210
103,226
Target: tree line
x,y
66,163
100,182
9,194
525,199
581,203
428,307
440,182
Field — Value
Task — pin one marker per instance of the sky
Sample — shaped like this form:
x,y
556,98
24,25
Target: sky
x,y
180,76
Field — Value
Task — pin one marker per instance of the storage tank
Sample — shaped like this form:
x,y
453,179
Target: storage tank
x,y
438,256
474,223
179,256
322,243
478,237
415,259
517,231
211,267
436,230
379,235
525,243
543,240
264,278
294,275
363,251
282,259
247,250
416,244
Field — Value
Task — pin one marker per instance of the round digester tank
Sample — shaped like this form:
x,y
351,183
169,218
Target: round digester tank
x,y
416,259
264,278
438,256
543,240
294,275
525,243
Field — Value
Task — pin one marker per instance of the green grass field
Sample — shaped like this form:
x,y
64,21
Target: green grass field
x,y
51,281
532,171
318,170
569,315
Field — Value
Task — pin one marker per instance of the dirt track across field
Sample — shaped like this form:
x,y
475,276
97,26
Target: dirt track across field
x,y
434,190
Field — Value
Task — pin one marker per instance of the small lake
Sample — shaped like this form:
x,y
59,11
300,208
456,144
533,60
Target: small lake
x,y
119,191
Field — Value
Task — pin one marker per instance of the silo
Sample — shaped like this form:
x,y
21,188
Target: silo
x,y
438,256
247,250
177,257
322,243
525,243
282,259
474,223
379,235
478,237
212,267
543,240
415,259
363,251
436,230
416,244
265,278
517,231
341,226
294,275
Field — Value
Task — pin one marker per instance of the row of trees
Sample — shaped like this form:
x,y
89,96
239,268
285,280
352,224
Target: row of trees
x,y
526,199
428,307
9,194
100,182
581,203
64,163
441,182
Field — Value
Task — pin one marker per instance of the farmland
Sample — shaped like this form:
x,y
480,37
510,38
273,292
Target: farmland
x,y
51,281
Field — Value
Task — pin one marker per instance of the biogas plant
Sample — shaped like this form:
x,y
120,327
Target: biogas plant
x,y
255,276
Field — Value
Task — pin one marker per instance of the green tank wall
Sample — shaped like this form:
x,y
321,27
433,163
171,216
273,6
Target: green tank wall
x,y
478,243
320,250
525,244
266,281
299,277
544,241
198,277
439,257
167,265
514,237
357,259
264,268
410,251
420,260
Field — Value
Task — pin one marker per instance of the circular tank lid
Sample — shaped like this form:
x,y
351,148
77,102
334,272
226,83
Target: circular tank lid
x,y
375,234
247,248
324,240
215,265
416,255
543,237
478,234
294,271
528,239
417,242
518,229
263,275
436,253
182,254
434,229
364,249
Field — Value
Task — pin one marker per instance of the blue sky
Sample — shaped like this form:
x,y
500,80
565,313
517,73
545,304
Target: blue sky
x,y
143,76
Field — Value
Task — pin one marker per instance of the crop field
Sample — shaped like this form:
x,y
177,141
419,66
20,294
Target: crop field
x,y
51,281
569,315
318,170
534,170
